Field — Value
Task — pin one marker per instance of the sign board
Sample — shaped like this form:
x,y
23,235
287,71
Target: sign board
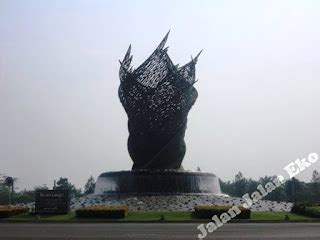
x,y
9,181
52,202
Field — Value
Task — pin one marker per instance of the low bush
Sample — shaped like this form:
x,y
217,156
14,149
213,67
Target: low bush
x,y
209,211
8,211
306,210
102,212
298,208
312,212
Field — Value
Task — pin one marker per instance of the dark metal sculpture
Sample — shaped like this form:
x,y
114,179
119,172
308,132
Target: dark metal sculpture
x,y
157,97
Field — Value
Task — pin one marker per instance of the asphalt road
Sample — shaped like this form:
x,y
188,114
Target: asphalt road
x,y
259,231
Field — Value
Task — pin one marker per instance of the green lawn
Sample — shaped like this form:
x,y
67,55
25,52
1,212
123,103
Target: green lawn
x,y
155,216
182,216
28,217
173,216
275,216
132,216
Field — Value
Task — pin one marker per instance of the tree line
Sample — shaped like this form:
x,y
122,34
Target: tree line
x,y
292,190
27,196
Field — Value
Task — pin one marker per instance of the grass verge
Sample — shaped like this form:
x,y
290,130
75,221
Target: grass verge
x,y
155,216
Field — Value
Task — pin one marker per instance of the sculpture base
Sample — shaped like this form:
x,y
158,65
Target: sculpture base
x,y
147,182
174,202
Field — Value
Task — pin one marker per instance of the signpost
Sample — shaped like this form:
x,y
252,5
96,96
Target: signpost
x,y
52,202
9,181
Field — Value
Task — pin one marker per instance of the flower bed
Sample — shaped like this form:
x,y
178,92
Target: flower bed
x,y
8,211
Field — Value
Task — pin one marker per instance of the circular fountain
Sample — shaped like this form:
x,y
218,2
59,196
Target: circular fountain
x,y
147,182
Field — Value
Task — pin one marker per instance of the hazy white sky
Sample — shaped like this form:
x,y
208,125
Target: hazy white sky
x,y
259,90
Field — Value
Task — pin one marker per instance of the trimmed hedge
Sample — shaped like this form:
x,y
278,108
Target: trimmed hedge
x,y
8,211
103,212
209,211
309,211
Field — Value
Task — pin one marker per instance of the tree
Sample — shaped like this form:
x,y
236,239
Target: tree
x,y
240,184
89,186
41,187
4,194
63,184
314,187
238,177
315,177
295,190
24,196
277,194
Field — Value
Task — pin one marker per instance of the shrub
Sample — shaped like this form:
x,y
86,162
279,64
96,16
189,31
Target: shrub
x,y
103,212
312,212
8,211
298,208
306,210
210,211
